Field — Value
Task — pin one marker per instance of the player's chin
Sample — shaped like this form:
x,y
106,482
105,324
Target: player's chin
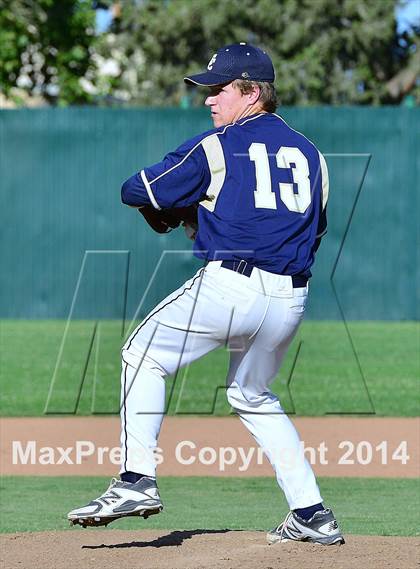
x,y
217,120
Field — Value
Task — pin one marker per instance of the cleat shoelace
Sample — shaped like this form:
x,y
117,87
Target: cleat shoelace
x,y
283,525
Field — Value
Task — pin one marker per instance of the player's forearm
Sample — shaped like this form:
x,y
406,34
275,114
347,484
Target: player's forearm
x,y
134,193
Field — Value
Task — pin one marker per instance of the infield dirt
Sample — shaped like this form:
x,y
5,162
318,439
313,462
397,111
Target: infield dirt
x,y
199,549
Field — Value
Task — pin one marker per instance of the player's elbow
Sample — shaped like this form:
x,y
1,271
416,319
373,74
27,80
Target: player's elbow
x,y
128,195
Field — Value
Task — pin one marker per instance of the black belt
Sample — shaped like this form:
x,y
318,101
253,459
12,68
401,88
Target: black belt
x,y
245,268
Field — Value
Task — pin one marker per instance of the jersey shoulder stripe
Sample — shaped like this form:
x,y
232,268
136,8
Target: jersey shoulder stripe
x,y
325,183
217,165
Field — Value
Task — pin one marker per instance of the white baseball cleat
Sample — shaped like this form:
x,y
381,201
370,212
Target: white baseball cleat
x,y
120,500
322,528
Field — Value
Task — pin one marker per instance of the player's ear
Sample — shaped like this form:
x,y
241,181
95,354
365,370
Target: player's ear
x,y
254,94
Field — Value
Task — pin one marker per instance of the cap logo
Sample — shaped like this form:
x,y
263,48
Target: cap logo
x,y
211,62
245,74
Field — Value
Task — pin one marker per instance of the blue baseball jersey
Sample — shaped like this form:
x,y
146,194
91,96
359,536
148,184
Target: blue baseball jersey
x,y
262,189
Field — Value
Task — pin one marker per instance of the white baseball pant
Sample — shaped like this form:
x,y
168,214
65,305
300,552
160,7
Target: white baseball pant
x,y
257,317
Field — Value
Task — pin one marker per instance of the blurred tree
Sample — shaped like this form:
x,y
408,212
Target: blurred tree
x,y
405,85
45,49
324,51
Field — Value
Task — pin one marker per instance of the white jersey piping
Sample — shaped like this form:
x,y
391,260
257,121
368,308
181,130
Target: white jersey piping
x,y
149,190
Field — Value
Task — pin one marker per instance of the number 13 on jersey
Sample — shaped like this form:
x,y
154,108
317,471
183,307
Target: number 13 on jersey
x,y
286,157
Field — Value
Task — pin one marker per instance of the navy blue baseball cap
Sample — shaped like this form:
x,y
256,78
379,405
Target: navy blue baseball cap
x,y
235,61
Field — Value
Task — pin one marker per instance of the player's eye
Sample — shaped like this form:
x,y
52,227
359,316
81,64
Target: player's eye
x,y
214,91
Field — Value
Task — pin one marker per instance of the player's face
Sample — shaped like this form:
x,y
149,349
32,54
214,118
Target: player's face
x,y
227,104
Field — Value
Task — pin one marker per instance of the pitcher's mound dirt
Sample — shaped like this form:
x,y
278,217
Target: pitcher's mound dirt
x,y
198,549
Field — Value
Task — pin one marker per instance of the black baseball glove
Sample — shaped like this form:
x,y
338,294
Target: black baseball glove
x,y
163,221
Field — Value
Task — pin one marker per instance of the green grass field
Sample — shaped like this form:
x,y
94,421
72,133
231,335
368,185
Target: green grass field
x,y
363,506
326,376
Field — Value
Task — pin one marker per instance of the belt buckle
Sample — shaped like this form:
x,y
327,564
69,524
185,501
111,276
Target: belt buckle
x,y
241,267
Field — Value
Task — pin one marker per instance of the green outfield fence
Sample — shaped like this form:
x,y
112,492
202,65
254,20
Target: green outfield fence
x,y
61,172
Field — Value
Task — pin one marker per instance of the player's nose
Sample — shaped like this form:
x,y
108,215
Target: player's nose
x,y
210,100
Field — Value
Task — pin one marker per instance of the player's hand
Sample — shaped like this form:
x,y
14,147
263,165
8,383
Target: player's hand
x,y
190,230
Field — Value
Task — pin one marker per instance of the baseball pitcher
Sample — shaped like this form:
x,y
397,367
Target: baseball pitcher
x,y
252,193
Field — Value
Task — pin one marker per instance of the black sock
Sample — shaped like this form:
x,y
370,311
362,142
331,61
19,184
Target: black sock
x,y
307,513
132,477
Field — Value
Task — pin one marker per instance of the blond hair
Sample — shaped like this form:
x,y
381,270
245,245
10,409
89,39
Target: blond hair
x,y
268,98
